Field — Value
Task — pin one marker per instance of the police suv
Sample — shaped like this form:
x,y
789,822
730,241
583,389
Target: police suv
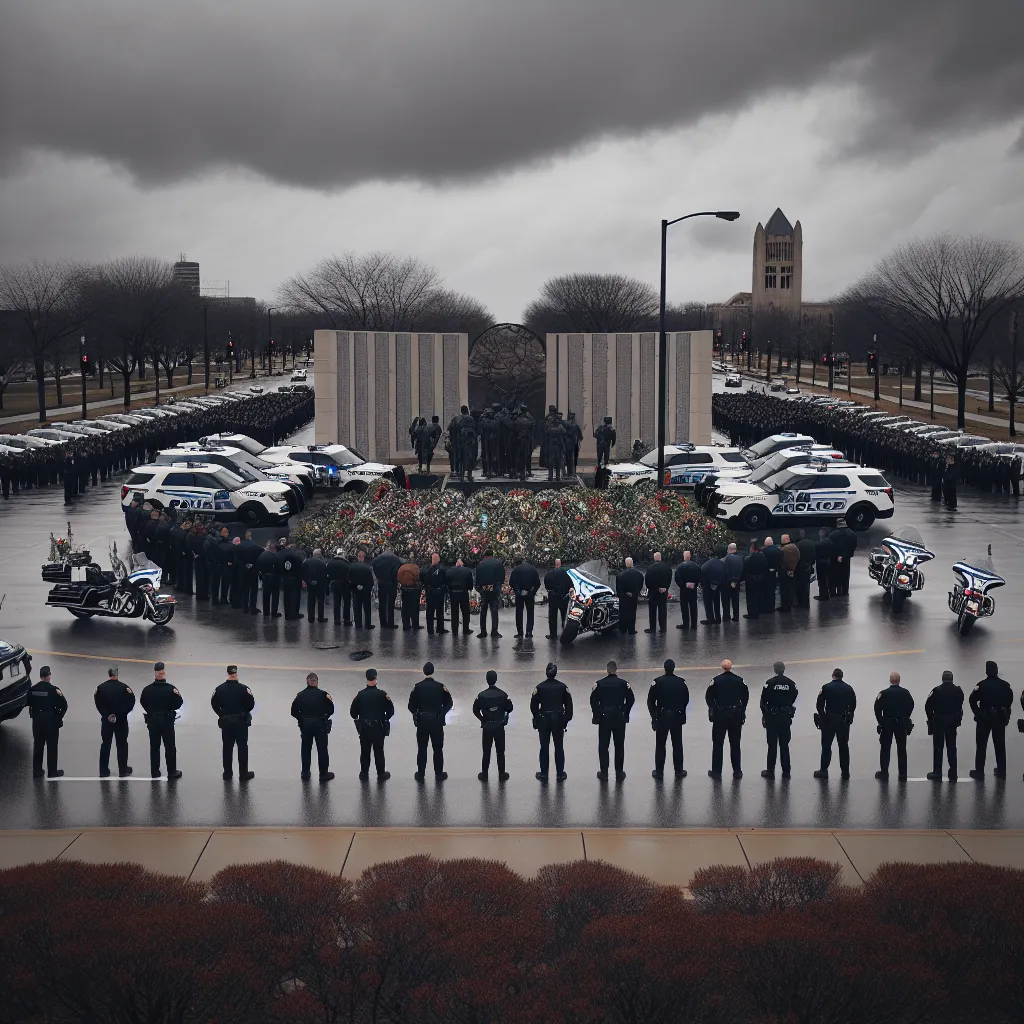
x,y
818,492
210,489
234,456
685,465
775,443
335,465
15,681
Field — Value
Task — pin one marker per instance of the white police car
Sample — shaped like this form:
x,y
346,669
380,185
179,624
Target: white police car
x,y
685,465
775,443
818,492
209,489
335,464
734,380
234,456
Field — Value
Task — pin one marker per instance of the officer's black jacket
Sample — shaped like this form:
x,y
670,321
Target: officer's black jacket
x,y
211,549
727,690
226,554
160,698
824,550
733,567
312,702
773,556
247,554
836,697
668,693
525,577
755,566
492,704
114,698
291,560
552,696
712,573
459,579
557,583
611,692
162,534
371,704
687,572
268,564
946,699
844,540
435,577
430,695
196,542
46,701
385,568
808,551
232,697
337,570
778,692
314,572
893,702
629,583
490,573
658,575
991,692
360,575
178,538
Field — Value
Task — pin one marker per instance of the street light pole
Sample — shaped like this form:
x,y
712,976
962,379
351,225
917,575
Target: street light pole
x,y
662,344
82,366
206,355
270,342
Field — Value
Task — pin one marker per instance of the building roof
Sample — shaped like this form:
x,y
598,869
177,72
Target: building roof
x,y
778,224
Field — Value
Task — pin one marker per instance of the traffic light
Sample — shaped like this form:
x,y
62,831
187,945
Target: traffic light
x,y
872,362
271,344
231,346
84,364
744,344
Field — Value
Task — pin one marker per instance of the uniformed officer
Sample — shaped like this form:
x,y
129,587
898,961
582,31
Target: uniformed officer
x,y
727,699
551,708
628,585
290,560
460,582
233,702
429,702
991,701
667,701
658,580
337,575
161,701
360,582
778,708
372,710
490,576
944,709
492,707
435,583
268,565
835,707
558,585
312,709
47,707
893,708
525,582
114,701
610,701
687,577
314,576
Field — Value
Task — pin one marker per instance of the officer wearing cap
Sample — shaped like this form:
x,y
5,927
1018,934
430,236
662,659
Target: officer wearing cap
x,y
114,701
47,708
944,710
991,701
161,701
372,710
667,701
492,708
551,708
429,702
312,709
233,702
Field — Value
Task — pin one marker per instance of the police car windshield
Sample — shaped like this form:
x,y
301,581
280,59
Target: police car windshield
x,y
776,464
229,479
765,447
651,458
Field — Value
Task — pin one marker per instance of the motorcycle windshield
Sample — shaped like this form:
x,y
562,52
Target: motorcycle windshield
x,y
907,545
975,576
908,535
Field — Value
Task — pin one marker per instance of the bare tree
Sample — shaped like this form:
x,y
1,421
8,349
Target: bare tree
x,y
588,303
13,356
448,310
941,296
48,300
507,366
1008,362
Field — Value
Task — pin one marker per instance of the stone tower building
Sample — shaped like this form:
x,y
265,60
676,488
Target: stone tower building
x,y
777,282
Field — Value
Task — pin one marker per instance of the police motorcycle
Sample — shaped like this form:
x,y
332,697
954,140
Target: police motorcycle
x,y
86,590
895,564
593,607
969,599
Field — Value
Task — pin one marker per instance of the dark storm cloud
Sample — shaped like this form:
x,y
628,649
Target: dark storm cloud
x,y
329,93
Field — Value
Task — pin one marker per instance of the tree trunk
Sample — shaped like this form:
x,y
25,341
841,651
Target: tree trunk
x,y
992,381
768,367
917,379
56,380
961,397
779,368
1013,424
41,388
189,380
169,370
798,358
127,375
156,378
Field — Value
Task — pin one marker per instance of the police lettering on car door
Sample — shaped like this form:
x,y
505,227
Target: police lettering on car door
x,y
812,502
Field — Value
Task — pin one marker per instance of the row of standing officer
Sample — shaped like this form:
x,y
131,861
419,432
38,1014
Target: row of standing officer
x,y
551,709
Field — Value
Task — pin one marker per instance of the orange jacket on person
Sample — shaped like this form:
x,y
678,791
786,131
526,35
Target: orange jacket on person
x,y
409,575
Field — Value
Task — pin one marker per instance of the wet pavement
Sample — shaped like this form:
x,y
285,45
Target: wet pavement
x,y
859,634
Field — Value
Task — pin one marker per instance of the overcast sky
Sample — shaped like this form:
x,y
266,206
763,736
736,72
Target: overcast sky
x,y
506,142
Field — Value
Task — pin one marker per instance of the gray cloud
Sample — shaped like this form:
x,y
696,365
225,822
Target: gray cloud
x,y
325,94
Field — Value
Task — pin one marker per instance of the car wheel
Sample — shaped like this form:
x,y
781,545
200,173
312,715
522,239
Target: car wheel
x,y
754,518
860,517
251,514
357,486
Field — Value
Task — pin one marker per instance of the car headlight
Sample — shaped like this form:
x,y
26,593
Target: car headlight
x,y
727,499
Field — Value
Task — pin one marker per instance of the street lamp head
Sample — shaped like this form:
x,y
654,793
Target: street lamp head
x,y
728,214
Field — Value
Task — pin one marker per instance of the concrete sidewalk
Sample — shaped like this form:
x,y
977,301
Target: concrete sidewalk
x,y
668,856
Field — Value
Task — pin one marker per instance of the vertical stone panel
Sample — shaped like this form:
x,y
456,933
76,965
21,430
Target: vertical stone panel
x,y
682,386
648,395
575,403
360,391
599,362
344,388
426,377
381,404
623,394
403,390
450,355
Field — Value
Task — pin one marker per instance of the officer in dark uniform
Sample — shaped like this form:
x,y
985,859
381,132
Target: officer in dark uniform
x,y
835,707
196,539
161,701
755,575
435,583
385,569
490,576
844,541
525,582
687,577
372,710
727,699
114,700
944,709
314,575
804,572
291,560
551,708
778,708
233,702
268,565
991,701
47,707
605,437
936,468
773,556
429,702
460,582
893,708
312,709
733,567
558,585
492,708
182,556
658,580
712,583
341,597
211,553
628,585
226,558
360,583
667,701
824,552
611,700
